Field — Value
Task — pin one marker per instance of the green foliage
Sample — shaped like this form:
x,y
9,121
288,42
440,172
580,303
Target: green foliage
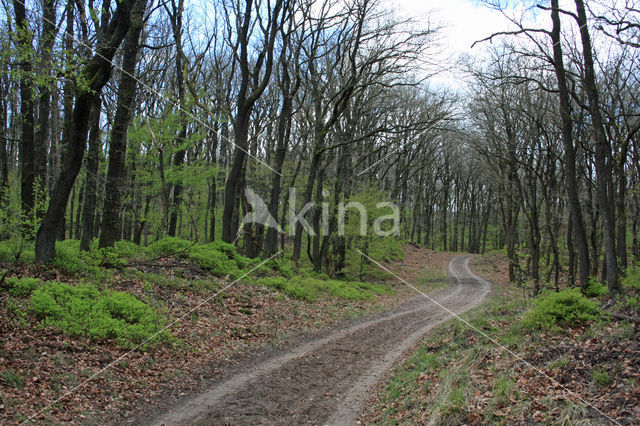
x,y
630,301
217,262
566,308
284,267
310,288
218,257
595,288
22,287
70,259
169,246
601,377
387,249
127,249
631,278
12,378
17,226
84,310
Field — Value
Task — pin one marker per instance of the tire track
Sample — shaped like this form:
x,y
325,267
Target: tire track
x,y
326,380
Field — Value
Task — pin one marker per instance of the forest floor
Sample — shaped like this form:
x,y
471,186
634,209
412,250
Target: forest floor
x,y
39,364
327,378
251,332
588,374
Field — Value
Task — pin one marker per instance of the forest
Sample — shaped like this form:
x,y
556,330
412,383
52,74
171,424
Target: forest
x,y
151,120
167,127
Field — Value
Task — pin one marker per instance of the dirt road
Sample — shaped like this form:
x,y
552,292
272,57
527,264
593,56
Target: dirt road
x,y
326,380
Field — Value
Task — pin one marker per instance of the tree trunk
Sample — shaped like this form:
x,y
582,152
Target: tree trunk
x,y
602,154
308,194
621,213
635,248
111,211
27,153
44,103
246,100
97,71
91,181
241,131
178,158
569,149
284,130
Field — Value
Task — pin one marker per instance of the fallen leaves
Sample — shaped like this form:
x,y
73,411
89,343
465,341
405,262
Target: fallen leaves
x,y
51,364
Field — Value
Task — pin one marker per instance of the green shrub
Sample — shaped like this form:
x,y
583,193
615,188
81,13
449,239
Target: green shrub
x,y
217,262
127,249
17,249
169,246
18,228
566,308
387,249
22,287
218,257
296,290
228,249
632,278
284,269
71,259
595,288
84,310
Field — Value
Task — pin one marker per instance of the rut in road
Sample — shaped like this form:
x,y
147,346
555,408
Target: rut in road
x,y
326,380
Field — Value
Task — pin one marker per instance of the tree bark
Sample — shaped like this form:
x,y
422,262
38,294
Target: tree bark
x,y
91,181
27,150
577,222
44,103
247,97
284,130
111,211
97,71
602,154
178,158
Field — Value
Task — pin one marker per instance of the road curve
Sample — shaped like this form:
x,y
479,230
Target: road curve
x,y
327,380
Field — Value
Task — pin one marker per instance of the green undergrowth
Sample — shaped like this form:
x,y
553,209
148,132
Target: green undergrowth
x,y
380,249
434,381
87,311
440,382
555,310
101,315
309,288
595,288
629,303
87,303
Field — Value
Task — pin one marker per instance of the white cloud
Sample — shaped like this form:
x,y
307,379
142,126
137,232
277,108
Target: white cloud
x,y
464,21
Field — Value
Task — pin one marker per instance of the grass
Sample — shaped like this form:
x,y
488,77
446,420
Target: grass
x,y
434,382
601,377
431,280
310,289
458,376
11,378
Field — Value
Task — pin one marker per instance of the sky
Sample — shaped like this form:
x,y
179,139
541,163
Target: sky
x,y
465,21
